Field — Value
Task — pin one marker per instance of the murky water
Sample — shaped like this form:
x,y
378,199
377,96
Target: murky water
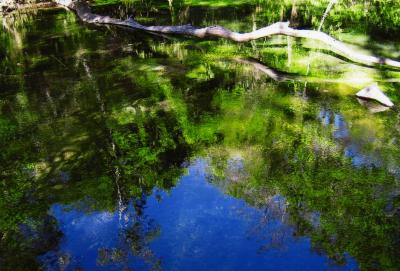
x,y
122,150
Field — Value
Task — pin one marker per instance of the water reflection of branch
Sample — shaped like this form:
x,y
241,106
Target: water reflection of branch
x,y
272,228
280,76
10,27
117,175
134,240
136,231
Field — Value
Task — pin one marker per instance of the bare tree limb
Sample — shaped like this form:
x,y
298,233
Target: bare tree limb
x,y
280,28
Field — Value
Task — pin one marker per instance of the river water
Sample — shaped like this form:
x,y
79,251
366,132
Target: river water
x,y
123,150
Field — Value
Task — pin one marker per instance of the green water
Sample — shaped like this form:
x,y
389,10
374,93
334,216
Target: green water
x,y
96,119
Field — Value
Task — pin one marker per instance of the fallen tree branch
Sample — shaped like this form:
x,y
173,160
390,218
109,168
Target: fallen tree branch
x,y
280,28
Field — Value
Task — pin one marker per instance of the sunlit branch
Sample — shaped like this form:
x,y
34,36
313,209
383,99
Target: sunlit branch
x,y
281,28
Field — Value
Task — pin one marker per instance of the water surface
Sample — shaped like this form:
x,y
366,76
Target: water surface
x,y
123,150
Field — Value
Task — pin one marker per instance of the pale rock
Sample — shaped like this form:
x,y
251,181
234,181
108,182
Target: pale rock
x,y
374,93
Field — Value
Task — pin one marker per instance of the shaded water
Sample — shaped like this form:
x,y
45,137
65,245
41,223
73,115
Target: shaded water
x,y
129,151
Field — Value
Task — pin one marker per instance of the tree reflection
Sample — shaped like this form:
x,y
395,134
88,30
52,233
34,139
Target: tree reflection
x,y
121,113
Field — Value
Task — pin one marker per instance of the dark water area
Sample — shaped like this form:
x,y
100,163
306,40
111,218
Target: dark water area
x,y
124,150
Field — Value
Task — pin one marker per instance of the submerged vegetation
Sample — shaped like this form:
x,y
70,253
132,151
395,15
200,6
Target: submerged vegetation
x,y
100,120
